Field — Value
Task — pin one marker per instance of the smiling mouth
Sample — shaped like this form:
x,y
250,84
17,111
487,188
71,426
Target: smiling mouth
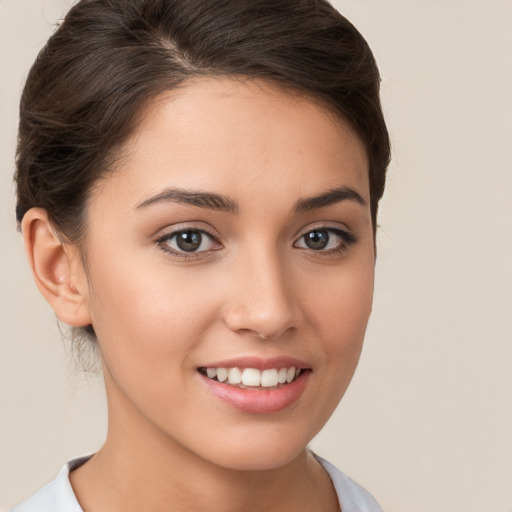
x,y
252,378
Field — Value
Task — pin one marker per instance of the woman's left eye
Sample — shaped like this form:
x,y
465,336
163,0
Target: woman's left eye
x,y
325,239
187,241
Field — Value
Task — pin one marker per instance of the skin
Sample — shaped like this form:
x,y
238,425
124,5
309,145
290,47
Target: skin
x,y
258,290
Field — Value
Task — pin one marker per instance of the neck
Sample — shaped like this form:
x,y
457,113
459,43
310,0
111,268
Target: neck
x,y
140,468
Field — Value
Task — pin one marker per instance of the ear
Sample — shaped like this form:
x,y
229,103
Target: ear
x,y
57,269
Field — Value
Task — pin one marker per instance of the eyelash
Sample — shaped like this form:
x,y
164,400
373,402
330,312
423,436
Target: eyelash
x,y
347,239
162,240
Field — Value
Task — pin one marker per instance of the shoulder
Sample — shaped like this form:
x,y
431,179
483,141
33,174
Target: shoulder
x,y
352,497
56,496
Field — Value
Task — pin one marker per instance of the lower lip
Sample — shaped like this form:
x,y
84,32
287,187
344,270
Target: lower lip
x,y
257,401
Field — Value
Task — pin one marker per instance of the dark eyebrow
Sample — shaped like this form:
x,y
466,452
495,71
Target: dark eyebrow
x,y
332,196
195,198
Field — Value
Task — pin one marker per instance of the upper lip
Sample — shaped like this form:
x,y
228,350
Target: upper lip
x,y
259,363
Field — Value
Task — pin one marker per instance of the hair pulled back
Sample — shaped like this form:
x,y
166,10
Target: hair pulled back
x,y
109,58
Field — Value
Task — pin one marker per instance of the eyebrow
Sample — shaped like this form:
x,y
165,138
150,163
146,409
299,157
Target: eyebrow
x,y
328,198
218,202
207,200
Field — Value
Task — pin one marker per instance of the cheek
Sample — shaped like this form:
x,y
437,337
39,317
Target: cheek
x,y
149,321
339,314
150,311
343,302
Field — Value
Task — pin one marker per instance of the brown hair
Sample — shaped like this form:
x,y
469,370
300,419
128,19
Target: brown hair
x,y
110,57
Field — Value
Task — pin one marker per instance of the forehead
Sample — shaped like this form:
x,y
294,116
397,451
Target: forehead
x,y
242,135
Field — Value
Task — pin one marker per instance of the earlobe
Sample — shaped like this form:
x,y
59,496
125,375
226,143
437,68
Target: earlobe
x,y
56,268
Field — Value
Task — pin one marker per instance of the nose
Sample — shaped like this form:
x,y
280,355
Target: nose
x,y
262,300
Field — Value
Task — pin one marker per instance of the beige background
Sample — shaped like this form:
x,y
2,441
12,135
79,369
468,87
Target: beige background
x,y
427,422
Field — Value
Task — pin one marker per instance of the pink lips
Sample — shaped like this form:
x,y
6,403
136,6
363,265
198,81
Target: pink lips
x,y
259,401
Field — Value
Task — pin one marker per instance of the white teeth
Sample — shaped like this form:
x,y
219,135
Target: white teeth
x,y
222,374
252,377
234,376
269,378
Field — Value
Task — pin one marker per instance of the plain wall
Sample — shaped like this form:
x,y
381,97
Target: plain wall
x,y
426,425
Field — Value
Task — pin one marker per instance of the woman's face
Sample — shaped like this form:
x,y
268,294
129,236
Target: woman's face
x,y
235,239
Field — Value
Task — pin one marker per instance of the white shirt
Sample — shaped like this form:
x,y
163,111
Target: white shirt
x,y
58,495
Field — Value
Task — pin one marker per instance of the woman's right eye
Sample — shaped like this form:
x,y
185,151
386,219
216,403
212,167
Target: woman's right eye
x,y
188,242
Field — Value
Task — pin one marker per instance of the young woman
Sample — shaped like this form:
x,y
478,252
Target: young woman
x,y
198,186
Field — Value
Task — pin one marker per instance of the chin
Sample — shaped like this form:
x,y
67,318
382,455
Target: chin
x,y
257,460
265,450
